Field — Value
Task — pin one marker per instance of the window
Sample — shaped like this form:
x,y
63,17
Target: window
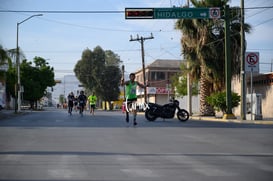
x,y
157,76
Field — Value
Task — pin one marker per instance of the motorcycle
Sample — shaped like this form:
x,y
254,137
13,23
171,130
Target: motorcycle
x,y
168,111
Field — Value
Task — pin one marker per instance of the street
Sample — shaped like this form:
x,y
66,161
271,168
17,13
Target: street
x,y
50,145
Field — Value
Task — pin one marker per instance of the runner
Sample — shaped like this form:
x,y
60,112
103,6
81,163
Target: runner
x,y
70,99
82,102
131,96
92,101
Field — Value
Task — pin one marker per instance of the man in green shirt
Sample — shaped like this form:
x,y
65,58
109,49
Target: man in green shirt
x,y
92,101
131,97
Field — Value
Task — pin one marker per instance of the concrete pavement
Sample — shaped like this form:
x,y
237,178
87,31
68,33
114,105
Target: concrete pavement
x,y
52,145
4,114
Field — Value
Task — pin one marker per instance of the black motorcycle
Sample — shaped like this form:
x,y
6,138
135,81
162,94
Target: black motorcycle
x,y
154,111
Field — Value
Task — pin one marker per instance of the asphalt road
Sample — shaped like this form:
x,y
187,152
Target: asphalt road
x,y
53,146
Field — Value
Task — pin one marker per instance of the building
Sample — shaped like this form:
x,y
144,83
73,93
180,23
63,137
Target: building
x,y
158,77
263,85
69,83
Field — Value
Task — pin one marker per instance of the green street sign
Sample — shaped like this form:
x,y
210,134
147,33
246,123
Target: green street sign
x,y
186,13
172,13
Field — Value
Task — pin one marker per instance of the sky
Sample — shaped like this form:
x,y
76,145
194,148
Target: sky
x,y
61,38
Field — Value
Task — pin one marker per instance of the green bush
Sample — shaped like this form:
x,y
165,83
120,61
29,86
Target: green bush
x,y
218,101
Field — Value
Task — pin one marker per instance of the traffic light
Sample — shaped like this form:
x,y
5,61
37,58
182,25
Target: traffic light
x,y
139,13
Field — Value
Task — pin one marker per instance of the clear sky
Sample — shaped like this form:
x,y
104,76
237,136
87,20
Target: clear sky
x,y
61,37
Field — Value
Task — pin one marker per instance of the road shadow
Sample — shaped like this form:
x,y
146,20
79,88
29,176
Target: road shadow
x,y
108,119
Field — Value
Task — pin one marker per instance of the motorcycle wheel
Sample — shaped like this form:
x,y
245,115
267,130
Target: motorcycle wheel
x,y
183,115
149,116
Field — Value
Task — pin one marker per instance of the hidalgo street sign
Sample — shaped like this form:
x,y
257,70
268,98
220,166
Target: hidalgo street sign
x,y
172,13
186,13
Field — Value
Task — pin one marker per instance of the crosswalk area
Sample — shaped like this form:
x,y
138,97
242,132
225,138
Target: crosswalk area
x,y
145,166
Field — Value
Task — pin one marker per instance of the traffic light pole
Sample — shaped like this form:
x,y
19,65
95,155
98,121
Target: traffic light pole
x,y
243,87
229,114
189,13
141,40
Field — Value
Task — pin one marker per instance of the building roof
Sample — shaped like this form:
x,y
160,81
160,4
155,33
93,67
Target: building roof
x,y
165,63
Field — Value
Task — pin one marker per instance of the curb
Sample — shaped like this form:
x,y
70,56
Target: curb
x,y
201,118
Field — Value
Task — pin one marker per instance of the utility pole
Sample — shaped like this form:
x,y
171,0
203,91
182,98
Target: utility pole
x,y
141,40
123,72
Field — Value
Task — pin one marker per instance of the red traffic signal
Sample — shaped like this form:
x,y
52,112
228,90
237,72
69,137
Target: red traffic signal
x,y
141,13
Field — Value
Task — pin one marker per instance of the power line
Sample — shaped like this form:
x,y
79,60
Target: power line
x,y
62,12
90,12
263,22
263,7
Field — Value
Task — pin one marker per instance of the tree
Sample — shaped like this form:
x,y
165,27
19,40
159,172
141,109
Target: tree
x,y
3,55
179,81
6,57
83,69
98,71
109,91
36,79
203,46
111,58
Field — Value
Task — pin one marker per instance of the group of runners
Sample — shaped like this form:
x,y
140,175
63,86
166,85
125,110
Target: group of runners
x,y
80,102
131,98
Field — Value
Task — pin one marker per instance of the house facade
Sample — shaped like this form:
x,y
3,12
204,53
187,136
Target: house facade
x,y
158,77
262,85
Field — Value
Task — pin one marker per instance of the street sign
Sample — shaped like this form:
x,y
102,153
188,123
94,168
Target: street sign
x,y
186,13
4,67
252,62
214,13
172,13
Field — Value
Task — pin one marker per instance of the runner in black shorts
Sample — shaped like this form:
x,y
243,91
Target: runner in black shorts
x,y
131,96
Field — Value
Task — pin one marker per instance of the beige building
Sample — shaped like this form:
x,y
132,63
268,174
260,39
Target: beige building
x,y
263,85
158,76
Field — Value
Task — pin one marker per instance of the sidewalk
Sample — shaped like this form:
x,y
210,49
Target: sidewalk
x,y
268,121
4,113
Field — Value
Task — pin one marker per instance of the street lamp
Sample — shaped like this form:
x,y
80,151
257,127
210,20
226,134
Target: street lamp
x,y
18,63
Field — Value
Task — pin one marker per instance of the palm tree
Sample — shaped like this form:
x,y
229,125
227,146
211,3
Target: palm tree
x,y
203,46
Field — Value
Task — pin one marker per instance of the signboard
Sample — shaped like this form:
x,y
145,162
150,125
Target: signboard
x,y
186,13
214,13
252,62
154,90
4,67
172,13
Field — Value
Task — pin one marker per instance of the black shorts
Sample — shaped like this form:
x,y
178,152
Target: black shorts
x,y
70,104
131,100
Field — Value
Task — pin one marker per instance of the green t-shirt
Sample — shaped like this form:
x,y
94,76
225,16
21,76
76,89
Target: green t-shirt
x,y
92,99
131,90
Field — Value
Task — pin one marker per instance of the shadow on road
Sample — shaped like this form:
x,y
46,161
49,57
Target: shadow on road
x,y
106,119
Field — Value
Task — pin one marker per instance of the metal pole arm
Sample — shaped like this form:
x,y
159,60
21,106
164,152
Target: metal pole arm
x,y
29,18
